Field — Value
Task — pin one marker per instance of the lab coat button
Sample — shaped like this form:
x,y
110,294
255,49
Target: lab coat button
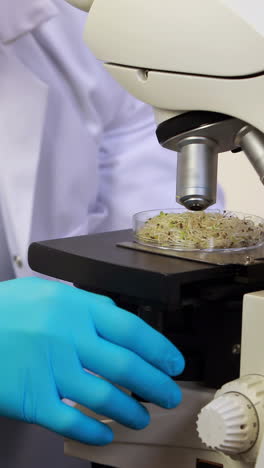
x,y
18,261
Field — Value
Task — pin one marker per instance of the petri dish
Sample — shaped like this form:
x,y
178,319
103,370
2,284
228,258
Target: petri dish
x,y
210,230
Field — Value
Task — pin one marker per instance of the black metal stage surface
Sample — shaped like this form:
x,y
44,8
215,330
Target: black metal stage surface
x,y
98,262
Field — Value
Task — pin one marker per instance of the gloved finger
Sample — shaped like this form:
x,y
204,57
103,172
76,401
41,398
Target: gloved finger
x,y
129,331
71,423
73,383
104,398
122,366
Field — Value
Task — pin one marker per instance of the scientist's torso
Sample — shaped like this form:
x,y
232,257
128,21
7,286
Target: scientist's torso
x,y
79,154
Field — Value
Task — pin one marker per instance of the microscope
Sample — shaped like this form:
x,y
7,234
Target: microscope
x,y
200,65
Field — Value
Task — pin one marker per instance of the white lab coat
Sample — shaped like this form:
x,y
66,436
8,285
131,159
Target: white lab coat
x,y
77,153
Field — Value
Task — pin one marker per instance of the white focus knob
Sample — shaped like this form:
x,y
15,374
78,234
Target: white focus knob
x,y
229,424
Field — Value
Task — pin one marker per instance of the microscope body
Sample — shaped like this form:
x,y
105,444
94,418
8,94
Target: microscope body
x,y
200,65
183,56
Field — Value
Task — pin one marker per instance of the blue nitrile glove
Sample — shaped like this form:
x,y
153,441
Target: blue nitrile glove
x,y
50,332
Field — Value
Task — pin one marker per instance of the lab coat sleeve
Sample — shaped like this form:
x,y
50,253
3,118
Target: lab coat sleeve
x,y
137,173
18,17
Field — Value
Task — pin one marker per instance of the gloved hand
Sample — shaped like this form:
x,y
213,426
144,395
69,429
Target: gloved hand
x,y
50,332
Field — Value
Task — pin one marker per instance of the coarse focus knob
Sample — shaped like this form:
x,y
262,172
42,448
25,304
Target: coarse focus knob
x,y
229,424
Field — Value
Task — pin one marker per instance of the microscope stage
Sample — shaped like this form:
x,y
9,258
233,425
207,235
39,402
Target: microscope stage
x,y
194,304
96,262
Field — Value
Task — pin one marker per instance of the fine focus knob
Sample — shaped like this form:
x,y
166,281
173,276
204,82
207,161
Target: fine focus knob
x,y
229,424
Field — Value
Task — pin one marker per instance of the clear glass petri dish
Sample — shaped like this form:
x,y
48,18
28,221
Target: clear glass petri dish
x,y
209,231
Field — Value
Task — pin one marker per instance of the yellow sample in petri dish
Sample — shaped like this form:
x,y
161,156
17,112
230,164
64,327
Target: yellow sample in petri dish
x,y
210,230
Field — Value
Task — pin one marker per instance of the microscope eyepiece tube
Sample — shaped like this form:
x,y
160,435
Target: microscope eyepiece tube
x,y
197,173
251,141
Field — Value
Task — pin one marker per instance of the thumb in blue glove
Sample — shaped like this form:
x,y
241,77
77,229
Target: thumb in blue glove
x,y
50,332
